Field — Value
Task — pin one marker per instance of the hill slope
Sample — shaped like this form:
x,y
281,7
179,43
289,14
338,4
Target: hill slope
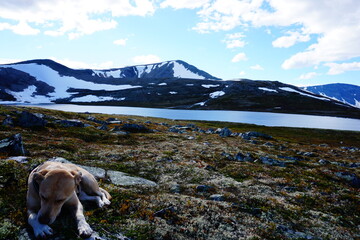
x,y
346,93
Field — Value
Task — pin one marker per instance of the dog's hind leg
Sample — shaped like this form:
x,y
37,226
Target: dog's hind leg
x,y
90,191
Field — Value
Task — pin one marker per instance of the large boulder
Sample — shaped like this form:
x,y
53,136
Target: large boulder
x,y
28,119
135,128
13,145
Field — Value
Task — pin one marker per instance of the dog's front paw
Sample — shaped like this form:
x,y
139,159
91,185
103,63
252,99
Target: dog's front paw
x,y
106,201
42,231
85,230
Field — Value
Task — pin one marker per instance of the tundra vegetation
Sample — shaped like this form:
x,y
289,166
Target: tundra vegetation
x,y
188,179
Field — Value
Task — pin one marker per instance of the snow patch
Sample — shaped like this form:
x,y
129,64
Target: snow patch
x,y
189,85
267,89
162,84
301,93
181,72
217,94
28,96
357,103
200,103
173,92
209,85
63,83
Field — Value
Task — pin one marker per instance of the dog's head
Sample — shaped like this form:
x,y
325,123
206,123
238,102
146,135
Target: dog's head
x,y
55,188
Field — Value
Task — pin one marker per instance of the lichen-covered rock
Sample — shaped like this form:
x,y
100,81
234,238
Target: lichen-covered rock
x,y
13,145
123,179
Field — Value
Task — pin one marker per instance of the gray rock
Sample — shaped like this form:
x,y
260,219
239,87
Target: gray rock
x,y
19,159
324,162
8,121
123,179
103,127
293,234
227,156
71,123
27,119
251,134
225,132
175,188
204,188
135,128
59,159
272,162
353,180
217,197
98,173
13,145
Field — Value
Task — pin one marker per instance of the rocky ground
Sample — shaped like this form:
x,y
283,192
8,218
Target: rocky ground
x,y
187,180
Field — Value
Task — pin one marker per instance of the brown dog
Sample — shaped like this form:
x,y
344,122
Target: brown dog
x,y
53,185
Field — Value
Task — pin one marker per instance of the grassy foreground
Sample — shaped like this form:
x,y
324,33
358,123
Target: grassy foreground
x,y
204,191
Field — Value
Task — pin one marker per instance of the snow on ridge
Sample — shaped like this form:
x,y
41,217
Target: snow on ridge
x,y
181,72
209,85
267,89
108,73
288,89
63,83
217,94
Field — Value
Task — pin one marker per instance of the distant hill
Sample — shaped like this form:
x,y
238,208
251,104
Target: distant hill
x,y
346,93
171,84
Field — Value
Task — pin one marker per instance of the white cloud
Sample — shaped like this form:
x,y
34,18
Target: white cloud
x,y
74,18
333,24
338,68
242,73
191,4
290,40
257,67
146,59
83,65
234,40
22,28
121,42
239,57
309,75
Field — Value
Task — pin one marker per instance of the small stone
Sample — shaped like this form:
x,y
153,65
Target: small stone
x,y
176,188
217,197
204,188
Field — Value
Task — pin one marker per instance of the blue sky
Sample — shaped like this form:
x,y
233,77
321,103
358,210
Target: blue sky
x,y
300,42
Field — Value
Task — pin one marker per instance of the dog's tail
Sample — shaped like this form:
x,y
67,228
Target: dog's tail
x,y
108,196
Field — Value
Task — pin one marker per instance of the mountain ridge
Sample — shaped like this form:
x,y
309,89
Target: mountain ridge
x,y
158,85
346,93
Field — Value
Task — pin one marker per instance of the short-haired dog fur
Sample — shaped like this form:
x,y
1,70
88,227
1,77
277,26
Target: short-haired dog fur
x,y
54,185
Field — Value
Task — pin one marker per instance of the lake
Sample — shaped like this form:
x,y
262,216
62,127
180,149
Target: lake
x,y
258,118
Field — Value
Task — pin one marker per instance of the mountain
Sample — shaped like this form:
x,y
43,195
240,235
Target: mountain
x,y
346,93
172,84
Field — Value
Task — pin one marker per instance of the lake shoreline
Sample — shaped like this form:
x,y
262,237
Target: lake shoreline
x,y
269,119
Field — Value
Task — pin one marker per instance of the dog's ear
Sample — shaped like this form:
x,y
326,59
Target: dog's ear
x,y
39,176
77,176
